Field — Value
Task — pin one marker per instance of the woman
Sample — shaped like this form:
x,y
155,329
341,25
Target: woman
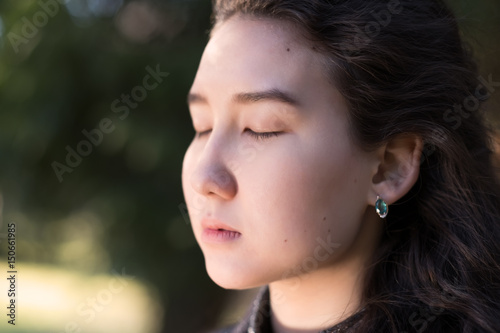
x,y
342,162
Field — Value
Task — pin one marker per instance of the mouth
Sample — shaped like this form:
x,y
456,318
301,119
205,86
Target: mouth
x,y
215,231
220,235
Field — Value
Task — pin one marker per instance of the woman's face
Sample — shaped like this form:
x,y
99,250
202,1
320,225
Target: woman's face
x,y
268,208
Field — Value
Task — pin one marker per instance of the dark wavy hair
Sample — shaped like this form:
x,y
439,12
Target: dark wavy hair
x,y
402,67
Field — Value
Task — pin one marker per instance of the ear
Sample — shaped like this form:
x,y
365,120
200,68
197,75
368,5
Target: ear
x,y
398,168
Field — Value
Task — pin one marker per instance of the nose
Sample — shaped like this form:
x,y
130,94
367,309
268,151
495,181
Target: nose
x,y
212,177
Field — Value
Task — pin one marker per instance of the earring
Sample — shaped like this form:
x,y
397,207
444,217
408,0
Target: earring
x,y
381,207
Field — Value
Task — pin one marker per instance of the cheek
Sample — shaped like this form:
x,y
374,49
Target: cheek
x,y
277,188
304,196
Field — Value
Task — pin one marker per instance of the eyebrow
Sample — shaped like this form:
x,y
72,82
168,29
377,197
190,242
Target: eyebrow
x,y
252,97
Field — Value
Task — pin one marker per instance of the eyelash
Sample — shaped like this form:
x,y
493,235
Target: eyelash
x,y
256,135
263,136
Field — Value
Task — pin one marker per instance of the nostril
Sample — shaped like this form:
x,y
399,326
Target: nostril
x,y
214,180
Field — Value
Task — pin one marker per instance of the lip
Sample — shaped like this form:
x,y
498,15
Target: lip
x,y
215,231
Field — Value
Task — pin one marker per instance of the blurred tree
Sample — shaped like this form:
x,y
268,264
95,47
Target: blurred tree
x,y
61,69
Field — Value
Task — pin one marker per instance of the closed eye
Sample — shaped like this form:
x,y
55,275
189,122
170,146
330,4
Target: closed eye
x,y
262,136
255,135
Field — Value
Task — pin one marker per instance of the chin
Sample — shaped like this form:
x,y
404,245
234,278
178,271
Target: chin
x,y
232,279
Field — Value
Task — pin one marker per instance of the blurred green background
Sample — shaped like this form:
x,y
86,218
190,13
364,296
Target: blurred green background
x,y
106,245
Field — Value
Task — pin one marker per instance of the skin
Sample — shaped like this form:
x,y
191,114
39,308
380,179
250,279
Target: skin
x,y
302,200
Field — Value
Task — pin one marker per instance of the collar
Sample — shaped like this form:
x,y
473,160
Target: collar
x,y
259,318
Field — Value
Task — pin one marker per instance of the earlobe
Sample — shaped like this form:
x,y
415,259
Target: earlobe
x,y
398,168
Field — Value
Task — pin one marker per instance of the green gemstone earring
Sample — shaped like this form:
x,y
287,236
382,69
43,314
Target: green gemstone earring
x,y
381,207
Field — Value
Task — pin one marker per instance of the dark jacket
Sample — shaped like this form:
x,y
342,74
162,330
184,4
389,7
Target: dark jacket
x,y
258,319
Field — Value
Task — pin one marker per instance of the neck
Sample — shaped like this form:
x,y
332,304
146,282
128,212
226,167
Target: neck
x,y
326,296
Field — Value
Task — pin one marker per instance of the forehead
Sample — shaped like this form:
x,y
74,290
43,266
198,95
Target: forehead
x,y
261,30
247,52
